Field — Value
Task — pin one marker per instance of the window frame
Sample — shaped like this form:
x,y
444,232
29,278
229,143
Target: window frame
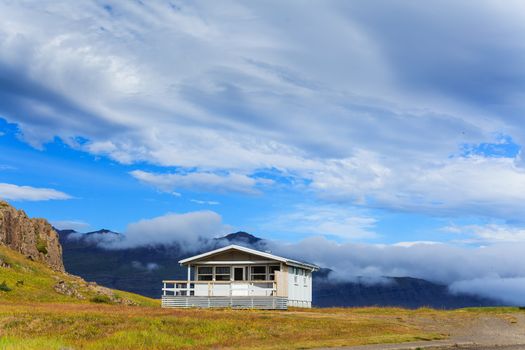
x,y
258,274
270,273
227,275
210,275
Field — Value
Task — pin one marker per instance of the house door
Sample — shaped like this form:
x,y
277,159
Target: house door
x,y
238,273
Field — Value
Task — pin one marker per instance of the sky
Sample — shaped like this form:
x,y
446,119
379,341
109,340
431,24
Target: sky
x,y
349,125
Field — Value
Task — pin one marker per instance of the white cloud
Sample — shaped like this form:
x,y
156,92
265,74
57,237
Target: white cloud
x,y
200,181
510,290
6,167
474,185
28,193
204,202
488,233
77,225
189,230
328,220
414,243
235,87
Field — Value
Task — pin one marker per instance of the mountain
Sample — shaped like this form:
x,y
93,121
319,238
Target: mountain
x,y
242,237
102,232
393,291
141,270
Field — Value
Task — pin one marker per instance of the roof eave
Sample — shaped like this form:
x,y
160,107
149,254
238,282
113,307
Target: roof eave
x,y
251,251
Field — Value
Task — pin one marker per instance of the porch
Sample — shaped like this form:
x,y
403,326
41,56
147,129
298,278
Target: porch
x,y
254,288
235,302
233,294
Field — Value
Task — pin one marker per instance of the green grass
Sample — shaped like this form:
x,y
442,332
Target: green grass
x,y
30,280
101,299
4,287
41,246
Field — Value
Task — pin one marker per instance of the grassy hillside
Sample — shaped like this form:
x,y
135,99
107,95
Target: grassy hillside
x,y
24,280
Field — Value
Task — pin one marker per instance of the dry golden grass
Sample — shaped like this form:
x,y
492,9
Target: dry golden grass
x,y
89,326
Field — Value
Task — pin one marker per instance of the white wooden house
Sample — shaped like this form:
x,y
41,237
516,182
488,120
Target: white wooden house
x,y
236,276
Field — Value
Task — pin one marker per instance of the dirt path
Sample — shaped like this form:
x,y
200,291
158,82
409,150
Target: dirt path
x,y
484,333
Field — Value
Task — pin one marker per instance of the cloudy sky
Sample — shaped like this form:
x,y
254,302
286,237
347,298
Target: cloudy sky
x,y
351,122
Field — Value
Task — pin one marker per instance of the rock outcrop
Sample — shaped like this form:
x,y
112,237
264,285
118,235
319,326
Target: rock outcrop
x,y
34,238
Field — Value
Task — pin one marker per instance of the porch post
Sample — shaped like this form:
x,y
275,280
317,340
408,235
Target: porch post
x,y
188,282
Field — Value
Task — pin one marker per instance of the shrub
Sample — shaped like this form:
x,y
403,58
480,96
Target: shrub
x,y
4,287
41,246
101,299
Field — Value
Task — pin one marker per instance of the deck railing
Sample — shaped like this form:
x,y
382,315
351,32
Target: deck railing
x,y
219,288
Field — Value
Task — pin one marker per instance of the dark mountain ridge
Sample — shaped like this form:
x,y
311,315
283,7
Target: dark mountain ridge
x,y
102,232
141,270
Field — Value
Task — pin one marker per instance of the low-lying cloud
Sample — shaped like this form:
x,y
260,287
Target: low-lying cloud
x,y
511,290
189,230
77,225
151,266
496,271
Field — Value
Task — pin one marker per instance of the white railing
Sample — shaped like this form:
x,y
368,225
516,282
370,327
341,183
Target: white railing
x,y
219,288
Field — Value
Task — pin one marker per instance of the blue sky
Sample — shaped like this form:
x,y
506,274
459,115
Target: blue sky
x,y
361,133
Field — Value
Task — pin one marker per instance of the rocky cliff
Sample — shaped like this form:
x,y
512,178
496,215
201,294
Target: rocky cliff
x,y
34,238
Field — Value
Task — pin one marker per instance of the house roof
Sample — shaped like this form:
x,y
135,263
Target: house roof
x,y
250,251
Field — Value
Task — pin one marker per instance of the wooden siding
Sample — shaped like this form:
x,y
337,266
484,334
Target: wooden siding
x,y
281,279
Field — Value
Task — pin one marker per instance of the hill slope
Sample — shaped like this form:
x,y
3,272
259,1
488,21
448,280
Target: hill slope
x,y
32,270
23,280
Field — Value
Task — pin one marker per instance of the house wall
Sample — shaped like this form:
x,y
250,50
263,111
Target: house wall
x,y
299,287
237,288
295,283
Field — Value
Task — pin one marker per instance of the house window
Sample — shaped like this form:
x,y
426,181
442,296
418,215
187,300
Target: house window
x,y
204,273
271,272
222,273
258,273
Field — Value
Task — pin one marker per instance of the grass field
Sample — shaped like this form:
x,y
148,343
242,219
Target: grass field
x,y
96,326
34,316
85,326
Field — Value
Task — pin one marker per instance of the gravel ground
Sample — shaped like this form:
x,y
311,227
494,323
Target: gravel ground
x,y
483,333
